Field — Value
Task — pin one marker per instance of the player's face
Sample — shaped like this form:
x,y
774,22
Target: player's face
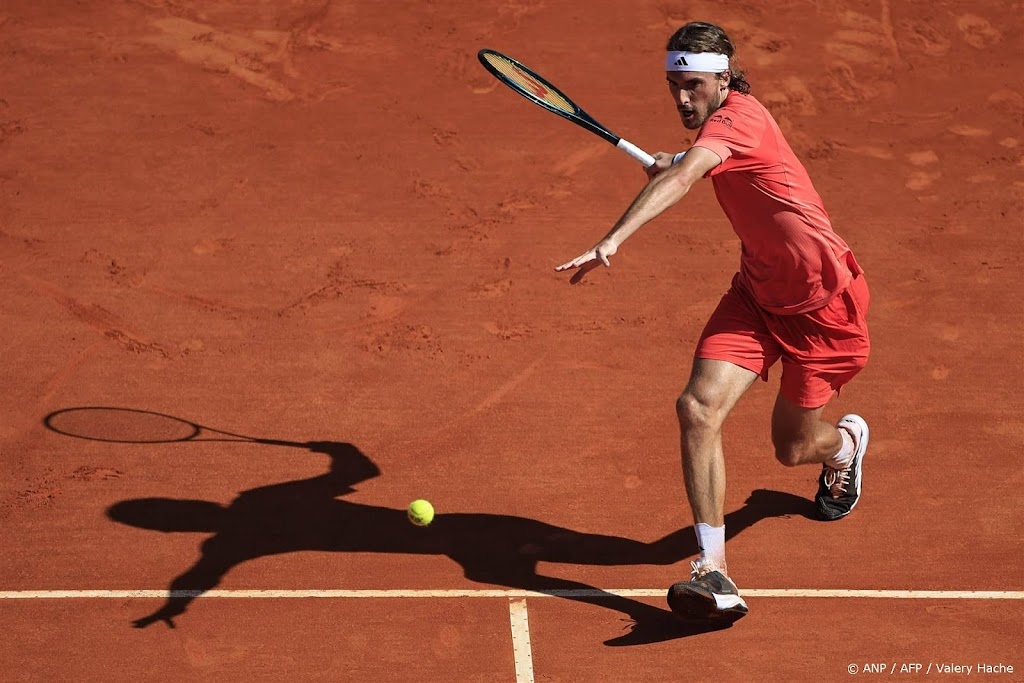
x,y
696,95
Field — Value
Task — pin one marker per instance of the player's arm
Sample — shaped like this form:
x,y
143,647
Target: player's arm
x,y
663,191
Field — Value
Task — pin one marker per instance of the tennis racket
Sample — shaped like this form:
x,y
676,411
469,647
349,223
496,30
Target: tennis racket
x,y
129,425
538,90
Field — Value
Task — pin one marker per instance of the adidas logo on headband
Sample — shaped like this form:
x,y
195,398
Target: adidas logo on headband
x,y
696,61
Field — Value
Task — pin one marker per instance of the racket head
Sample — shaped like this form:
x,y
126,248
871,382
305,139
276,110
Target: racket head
x,y
120,425
534,87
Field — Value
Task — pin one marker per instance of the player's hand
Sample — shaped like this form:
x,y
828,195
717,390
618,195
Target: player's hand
x,y
588,260
662,160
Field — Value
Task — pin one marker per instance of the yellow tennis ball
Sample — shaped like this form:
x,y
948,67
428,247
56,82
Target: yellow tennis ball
x,y
421,512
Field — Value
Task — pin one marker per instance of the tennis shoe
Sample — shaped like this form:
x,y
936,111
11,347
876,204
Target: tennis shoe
x,y
709,594
839,489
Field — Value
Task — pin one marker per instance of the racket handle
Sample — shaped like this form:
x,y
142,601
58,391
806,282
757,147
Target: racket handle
x,y
635,152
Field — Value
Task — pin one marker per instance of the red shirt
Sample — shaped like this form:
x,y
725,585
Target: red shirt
x,y
792,260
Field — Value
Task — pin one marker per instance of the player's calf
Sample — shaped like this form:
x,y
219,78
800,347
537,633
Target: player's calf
x,y
793,453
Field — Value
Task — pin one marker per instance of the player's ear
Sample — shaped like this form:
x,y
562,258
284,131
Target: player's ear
x,y
724,79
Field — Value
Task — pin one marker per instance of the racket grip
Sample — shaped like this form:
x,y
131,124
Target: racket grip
x,y
635,152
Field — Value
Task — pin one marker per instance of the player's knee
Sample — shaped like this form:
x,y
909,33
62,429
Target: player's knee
x,y
696,414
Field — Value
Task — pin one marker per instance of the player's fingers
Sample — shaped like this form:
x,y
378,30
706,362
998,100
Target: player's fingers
x,y
656,168
604,260
576,262
567,265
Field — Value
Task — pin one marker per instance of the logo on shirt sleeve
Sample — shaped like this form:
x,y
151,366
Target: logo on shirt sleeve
x,y
722,119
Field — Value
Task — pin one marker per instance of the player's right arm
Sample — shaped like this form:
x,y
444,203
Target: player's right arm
x,y
663,191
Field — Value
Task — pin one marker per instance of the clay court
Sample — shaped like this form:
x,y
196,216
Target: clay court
x,y
324,226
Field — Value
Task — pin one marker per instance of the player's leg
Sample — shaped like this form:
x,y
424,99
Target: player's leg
x,y
735,348
800,436
823,350
714,388
712,392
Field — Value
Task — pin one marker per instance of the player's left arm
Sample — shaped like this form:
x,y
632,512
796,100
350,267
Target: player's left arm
x,y
662,192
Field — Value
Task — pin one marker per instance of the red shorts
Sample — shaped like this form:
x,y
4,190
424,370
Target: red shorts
x,y
821,350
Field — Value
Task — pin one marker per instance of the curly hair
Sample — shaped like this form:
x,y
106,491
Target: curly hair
x,y
699,36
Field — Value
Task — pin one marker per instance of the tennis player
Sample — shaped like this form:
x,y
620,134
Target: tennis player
x,y
799,297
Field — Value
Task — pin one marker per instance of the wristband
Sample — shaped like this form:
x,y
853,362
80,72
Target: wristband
x,y
678,157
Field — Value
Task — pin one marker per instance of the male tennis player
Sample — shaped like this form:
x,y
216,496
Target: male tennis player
x,y
799,296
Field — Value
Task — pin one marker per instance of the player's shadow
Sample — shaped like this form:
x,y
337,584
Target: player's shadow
x,y
492,549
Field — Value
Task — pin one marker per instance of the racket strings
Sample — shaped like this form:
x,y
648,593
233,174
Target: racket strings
x,y
530,85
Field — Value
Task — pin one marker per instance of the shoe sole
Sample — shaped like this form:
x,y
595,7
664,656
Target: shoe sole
x,y
690,603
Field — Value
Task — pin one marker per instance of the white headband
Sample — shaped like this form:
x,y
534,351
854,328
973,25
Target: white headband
x,y
696,61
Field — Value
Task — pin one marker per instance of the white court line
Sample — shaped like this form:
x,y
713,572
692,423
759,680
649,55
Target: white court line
x,y
521,651
484,593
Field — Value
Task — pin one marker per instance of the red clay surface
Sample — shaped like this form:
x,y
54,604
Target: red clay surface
x,y
325,222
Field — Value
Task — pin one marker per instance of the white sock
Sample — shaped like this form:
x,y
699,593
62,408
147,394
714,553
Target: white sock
x,y
844,457
711,540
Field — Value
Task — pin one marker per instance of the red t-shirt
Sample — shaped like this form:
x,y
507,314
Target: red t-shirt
x,y
792,260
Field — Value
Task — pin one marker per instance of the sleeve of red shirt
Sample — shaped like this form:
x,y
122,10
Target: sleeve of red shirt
x,y
732,131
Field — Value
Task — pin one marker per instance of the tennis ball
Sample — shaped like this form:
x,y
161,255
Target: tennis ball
x,y
421,512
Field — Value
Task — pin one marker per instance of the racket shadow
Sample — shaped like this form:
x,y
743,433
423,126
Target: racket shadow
x,y
309,515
